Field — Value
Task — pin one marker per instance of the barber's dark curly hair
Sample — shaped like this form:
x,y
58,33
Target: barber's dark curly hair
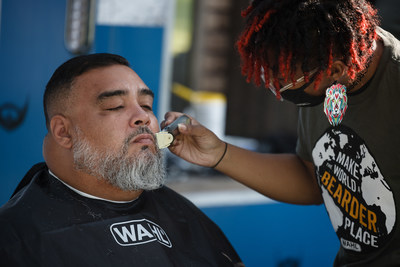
x,y
282,33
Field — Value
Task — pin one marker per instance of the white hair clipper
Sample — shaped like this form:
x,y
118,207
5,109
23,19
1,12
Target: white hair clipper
x,y
167,135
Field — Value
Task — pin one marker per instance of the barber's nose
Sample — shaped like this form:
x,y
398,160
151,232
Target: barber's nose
x,y
139,117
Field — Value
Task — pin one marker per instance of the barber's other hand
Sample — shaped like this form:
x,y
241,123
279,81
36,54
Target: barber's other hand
x,y
195,143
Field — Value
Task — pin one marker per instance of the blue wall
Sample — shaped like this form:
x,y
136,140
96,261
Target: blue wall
x,y
31,47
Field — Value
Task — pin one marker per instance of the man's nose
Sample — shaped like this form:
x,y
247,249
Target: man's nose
x,y
139,117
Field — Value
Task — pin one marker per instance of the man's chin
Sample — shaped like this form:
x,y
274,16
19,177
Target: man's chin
x,y
135,150
145,147
136,188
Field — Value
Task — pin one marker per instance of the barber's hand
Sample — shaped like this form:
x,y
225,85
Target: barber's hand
x,y
195,143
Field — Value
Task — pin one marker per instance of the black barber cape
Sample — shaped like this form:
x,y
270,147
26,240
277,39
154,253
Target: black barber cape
x,y
47,224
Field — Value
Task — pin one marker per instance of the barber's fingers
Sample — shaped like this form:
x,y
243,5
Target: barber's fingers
x,y
184,128
169,118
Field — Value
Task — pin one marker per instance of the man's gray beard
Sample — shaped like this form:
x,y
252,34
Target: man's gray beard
x,y
145,170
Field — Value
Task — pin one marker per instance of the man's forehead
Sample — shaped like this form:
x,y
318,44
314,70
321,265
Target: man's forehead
x,y
111,81
110,76
106,94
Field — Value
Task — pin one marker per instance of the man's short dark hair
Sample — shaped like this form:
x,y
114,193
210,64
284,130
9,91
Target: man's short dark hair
x,y
60,83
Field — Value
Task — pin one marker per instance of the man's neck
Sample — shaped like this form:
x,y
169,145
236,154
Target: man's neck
x,y
372,67
95,186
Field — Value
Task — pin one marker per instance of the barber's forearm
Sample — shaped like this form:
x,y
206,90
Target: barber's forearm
x,y
283,177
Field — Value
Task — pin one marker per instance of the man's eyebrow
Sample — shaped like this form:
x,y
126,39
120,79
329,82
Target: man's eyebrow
x,y
146,91
109,94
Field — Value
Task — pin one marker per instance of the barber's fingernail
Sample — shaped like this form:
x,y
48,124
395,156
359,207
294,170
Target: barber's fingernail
x,y
182,127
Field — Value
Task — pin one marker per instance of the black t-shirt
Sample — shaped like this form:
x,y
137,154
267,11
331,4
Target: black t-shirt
x,y
47,224
357,165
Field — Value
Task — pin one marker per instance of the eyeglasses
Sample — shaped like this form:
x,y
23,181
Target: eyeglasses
x,y
286,87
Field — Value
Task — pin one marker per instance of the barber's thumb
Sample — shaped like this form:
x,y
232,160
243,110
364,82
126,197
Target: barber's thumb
x,y
183,128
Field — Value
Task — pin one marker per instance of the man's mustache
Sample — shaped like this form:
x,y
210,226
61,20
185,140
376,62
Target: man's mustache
x,y
140,130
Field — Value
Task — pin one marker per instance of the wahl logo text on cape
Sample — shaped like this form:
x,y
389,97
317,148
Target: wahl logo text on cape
x,y
137,232
335,103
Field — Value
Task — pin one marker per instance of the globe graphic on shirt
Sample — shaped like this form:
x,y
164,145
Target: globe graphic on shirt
x,y
357,197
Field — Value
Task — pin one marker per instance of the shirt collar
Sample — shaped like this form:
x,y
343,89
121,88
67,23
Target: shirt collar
x,y
86,194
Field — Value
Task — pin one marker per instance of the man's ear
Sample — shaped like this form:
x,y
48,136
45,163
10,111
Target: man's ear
x,y
338,70
60,129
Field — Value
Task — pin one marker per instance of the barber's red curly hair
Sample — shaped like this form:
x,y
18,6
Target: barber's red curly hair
x,y
282,33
